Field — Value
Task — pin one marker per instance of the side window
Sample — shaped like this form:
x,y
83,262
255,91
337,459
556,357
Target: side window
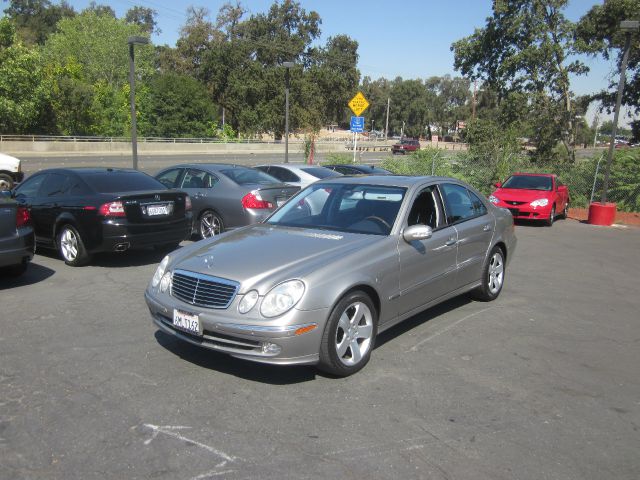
x,y
478,207
283,174
30,187
169,178
457,203
425,209
54,185
197,179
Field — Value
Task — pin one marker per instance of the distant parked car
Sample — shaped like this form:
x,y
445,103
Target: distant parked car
x,y
10,171
533,196
80,211
299,175
358,169
226,196
17,240
405,145
316,288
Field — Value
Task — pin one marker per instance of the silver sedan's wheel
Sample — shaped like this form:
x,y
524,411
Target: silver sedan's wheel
x,y
354,334
493,275
349,335
210,224
496,272
71,247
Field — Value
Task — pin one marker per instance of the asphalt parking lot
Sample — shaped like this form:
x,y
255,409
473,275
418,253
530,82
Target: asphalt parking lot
x,y
542,383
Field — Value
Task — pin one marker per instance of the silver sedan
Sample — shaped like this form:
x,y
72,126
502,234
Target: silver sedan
x,y
340,262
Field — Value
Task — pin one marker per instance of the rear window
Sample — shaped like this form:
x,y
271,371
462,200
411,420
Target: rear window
x,y
319,172
247,176
122,181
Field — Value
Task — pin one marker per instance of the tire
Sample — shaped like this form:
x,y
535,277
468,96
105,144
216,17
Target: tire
x,y
71,247
210,224
493,274
6,182
552,216
565,212
349,336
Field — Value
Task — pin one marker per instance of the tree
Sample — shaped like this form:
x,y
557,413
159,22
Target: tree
x,y
100,10
599,33
35,20
526,47
144,17
23,92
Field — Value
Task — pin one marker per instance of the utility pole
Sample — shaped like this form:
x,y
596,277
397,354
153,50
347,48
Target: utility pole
x,y
473,105
386,128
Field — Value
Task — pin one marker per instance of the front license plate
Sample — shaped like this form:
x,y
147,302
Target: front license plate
x,y
157,210
187,322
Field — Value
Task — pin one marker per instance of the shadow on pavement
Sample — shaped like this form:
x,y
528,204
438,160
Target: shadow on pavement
x,y
257,372
35,273
130,258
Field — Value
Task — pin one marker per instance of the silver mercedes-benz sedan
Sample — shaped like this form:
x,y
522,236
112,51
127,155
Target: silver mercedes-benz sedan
x,y
340,262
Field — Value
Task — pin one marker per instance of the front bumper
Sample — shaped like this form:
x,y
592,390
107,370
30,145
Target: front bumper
x,y
526,211
238,335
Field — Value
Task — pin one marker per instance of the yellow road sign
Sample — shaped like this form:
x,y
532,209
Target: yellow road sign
x,y
358,104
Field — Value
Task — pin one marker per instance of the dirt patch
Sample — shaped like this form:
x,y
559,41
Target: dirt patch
x,y
625,218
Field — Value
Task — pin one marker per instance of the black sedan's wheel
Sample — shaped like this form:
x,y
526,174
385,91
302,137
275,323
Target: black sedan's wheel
x,y
349,335
552,216
71,247
6,182
210,224
492,277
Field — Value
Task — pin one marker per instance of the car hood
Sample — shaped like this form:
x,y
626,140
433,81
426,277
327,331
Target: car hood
x,y
520,194
260,256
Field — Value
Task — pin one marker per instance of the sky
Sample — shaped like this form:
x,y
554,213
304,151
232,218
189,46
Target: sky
x,y
408,38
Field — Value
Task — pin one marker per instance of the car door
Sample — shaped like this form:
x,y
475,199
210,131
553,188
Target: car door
x,y
49,204
474,225
27,194
198,184
427,267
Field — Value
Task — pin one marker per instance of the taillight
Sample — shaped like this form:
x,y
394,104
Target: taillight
x,y
253,200
187,203
23,217
113,209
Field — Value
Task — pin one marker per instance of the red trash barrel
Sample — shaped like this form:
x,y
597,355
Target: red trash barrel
x,y
602,213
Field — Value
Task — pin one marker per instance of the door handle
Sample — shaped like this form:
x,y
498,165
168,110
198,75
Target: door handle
x,y
451,241
486,228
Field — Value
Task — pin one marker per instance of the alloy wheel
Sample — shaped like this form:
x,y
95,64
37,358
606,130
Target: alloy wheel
x,y
69,245
210,225
354,333
496,272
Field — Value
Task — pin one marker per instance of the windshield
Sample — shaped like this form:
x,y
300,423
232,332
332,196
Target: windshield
x,y
528,182
247,176
320,172
349,208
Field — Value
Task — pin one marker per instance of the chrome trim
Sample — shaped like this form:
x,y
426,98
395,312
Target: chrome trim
x,y
207,278
264,328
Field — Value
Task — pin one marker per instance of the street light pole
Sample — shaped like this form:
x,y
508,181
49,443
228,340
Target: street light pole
x,y
287,65
132,95
627,26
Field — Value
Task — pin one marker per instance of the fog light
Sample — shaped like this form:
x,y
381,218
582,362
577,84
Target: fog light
x,y
271,348
165,283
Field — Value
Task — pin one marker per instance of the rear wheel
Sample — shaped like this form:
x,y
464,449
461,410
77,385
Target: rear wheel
x,y
565,212
71,247
349,335
6,182
492,277
210,224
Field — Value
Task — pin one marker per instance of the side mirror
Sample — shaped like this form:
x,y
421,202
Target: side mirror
x,y
417,232
498,184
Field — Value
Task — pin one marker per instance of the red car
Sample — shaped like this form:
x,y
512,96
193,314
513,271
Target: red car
x,y
533,196
405,145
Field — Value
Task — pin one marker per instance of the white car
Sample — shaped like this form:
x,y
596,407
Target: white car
x,y
10,171
298,174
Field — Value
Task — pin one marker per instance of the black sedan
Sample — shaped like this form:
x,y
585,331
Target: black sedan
x,y
358,169
17,244
80,211
226,196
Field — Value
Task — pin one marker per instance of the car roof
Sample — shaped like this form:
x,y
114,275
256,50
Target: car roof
x,y
525,174
210,166
89,170
387,180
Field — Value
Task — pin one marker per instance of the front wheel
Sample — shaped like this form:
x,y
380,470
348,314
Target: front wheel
x,y
6,182
210,224
552,216
349,335
71,247
492,277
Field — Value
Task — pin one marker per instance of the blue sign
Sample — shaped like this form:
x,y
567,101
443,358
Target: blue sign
x,y
357,124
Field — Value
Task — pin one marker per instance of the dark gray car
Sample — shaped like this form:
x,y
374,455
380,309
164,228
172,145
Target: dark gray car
x,y
17,241
226,196
343,260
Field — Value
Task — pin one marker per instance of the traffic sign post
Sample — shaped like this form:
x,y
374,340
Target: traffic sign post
x,y
357,124
357,104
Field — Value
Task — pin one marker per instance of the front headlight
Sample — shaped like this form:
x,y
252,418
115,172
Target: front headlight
x,y
541,202
248,301
282,298
493,199
159,272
